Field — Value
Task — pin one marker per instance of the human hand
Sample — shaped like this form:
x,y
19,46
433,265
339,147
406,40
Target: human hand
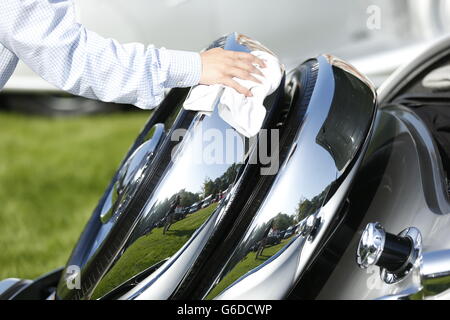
x,y
220,66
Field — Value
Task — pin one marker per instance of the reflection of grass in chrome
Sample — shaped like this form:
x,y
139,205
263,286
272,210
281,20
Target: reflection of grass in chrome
x,y
246,264
152,248
433,287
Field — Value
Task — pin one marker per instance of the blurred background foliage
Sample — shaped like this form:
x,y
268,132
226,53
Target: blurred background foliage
x,y
52,173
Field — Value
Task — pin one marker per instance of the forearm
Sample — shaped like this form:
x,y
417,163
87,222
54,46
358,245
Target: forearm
x,y
103,69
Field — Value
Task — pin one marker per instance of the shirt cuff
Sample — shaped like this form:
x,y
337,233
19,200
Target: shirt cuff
x,y
185,69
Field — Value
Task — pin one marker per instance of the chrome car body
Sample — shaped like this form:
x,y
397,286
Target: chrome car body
x,y
126,222
401,184
266,231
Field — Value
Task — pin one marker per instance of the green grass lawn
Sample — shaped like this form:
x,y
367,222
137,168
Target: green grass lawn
x,y
52,173
151,249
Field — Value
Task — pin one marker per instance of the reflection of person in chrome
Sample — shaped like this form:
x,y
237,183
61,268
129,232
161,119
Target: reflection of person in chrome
x,y
170,217
263,242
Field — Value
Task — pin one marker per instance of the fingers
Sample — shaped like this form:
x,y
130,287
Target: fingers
x,y
243,67
243,74
250,58
236,86
248,67
221,66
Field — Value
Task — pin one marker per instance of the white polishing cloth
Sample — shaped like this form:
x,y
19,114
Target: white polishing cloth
x,y
245,114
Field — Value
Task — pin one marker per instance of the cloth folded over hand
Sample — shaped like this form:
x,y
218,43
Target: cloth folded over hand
x,y
245,114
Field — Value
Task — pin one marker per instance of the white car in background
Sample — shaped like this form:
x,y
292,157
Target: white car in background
x,y
294,29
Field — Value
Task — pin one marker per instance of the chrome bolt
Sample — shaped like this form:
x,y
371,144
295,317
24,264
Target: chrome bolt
x,y
371,245
396,255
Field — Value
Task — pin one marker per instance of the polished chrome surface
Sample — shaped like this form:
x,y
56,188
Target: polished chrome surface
x,y
186,174
7,283
302,205
187,186
371,245
400,184
52,296
274,273
410,293
131,174
347,67
405,188
36,289
128,181
434,279
310,226
435,274
183,210
108,227
415,255
10,287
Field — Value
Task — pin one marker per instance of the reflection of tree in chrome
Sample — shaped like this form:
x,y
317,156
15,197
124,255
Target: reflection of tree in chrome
x,y
211,187
190,202
188,198
282,221
308,207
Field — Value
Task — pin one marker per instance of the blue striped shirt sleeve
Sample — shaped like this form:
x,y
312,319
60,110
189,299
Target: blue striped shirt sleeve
x,y
45,35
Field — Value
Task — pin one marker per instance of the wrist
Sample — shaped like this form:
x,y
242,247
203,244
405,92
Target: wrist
x,y
185,68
